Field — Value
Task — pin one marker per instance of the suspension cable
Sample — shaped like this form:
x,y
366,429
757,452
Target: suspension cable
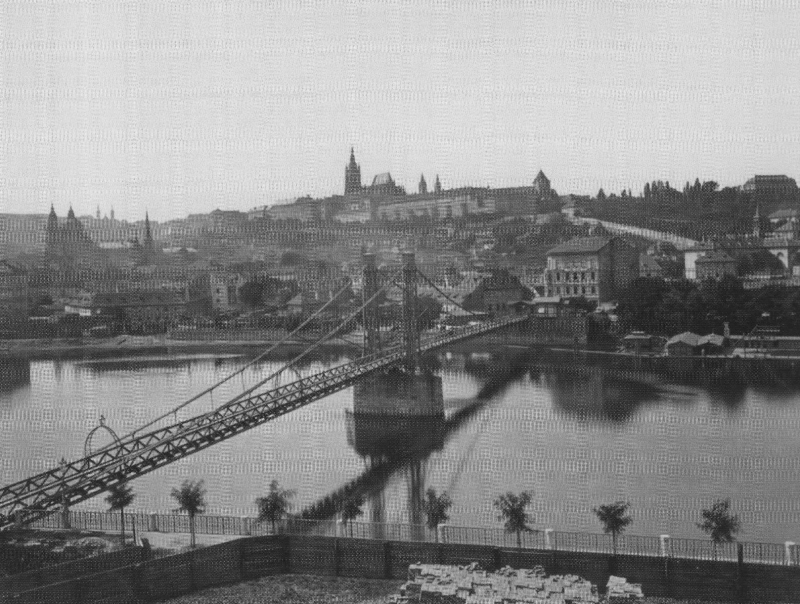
x,y
257,359
308,350
436,287
303,354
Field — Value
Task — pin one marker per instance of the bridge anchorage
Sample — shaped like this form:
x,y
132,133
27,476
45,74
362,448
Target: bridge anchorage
x,y
166,439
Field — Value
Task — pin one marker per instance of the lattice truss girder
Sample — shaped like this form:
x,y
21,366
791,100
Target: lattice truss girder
x,y
82,479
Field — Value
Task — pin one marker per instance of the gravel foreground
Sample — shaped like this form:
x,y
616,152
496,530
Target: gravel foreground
x,y
311,589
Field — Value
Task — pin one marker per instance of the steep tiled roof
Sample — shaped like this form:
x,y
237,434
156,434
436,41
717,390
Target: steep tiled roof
x,y
382,179
582,245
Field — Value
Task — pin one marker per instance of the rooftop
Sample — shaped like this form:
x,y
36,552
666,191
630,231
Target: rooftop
x,y
687,337
382,179
715,256
582,245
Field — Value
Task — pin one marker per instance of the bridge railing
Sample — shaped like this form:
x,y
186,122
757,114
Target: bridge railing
x,y
548,539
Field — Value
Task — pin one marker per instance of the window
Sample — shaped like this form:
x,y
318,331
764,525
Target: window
x,y
558,276
594,289
593,277
575,276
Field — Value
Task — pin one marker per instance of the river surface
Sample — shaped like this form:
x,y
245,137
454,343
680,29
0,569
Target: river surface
x,y
576,439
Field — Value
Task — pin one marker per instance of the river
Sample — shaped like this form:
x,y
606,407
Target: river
x,y
576,439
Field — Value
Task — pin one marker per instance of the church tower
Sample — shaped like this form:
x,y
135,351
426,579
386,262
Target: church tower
x,y
352,176
757,223
51,252
148,234
437,186
423,186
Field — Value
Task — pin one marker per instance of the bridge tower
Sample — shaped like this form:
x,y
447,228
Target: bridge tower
x,y
372,341
410,326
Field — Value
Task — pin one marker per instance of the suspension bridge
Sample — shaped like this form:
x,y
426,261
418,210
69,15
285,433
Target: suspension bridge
x,y
155,445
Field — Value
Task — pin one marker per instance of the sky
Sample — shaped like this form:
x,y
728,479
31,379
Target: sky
x,y
184,106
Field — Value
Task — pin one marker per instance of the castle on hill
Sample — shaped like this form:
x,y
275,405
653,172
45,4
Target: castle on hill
x,y
384,200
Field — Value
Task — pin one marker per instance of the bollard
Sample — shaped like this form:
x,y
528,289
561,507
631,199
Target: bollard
x,y
441,533
665,546
152,523
549,542
246,526
789,552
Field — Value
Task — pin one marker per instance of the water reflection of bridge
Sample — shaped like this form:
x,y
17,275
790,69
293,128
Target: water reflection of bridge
x,y
393,445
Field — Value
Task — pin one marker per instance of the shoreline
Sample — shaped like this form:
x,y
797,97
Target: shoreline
x,y
79,347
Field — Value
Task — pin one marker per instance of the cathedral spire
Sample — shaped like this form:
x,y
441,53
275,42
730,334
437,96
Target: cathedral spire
x,y
352,176
423,186
437,187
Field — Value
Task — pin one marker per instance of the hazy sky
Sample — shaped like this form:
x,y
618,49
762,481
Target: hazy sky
x,y
186,106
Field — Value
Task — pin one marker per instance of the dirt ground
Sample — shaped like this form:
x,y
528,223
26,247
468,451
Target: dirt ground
x,y
308,589
297,589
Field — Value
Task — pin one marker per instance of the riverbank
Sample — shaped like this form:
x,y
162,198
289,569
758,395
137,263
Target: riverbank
x,y
67,348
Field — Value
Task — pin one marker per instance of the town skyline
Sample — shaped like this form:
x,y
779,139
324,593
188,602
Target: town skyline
x,y
110,211
184,108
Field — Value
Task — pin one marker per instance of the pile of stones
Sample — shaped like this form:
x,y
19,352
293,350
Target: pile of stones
x,y
440,584
619,591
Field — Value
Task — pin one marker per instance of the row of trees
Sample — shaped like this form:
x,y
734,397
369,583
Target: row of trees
x,y
701,209
656,306
717,521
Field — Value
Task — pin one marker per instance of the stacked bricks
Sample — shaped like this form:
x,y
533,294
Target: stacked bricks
x,y
619,591
440,584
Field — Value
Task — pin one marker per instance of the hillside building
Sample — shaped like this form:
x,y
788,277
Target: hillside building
x,y
596,268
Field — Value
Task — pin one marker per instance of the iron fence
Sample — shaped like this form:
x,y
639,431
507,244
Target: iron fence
x,y
564,541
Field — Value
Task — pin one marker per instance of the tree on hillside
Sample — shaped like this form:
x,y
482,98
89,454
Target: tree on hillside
x,y
251,294
191,498
435,507
119,497
614,518
719,523
275,505
352,510
601,195
514,513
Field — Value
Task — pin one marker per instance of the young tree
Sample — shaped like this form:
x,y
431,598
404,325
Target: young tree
x,y
601,195
614,519
513,510
120,497
191,498
352,510
275,505
719,523
435,507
